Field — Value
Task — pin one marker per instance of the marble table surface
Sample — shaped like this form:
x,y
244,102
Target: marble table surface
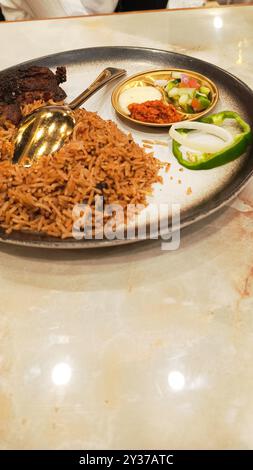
x,y
133,347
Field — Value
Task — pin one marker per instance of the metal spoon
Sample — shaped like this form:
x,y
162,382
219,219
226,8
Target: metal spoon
x,y
45,130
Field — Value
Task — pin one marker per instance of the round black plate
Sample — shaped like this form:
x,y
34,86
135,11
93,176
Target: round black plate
x,y
234,94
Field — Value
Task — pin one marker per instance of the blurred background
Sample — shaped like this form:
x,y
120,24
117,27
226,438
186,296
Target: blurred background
x,y
28,9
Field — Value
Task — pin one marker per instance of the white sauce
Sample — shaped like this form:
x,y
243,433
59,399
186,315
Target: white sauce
x,y
138,94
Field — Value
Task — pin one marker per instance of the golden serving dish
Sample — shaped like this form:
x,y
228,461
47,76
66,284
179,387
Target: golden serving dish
x,y
150,78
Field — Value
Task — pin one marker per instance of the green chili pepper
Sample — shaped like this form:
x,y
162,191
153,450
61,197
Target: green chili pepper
x,y
206,161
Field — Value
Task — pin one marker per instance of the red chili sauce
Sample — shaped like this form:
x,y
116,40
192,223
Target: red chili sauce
x,y
154,111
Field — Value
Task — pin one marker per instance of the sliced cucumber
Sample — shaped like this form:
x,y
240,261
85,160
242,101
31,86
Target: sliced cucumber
x,y
172,83
204,101
176,75
173,92
205,90
183,100
200,95
188,109
186,91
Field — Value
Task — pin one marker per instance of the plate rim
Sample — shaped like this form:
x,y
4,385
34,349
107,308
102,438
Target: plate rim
x,y
137,48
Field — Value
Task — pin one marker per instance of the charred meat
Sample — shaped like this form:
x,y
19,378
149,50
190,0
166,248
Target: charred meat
x,y
26,85
10,112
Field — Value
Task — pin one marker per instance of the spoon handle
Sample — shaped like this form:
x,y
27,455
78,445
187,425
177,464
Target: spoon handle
x,y
105,77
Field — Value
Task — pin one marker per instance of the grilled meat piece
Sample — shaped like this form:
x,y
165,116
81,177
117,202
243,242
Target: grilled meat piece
x,y
15,85
28,84
10,112
61,75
